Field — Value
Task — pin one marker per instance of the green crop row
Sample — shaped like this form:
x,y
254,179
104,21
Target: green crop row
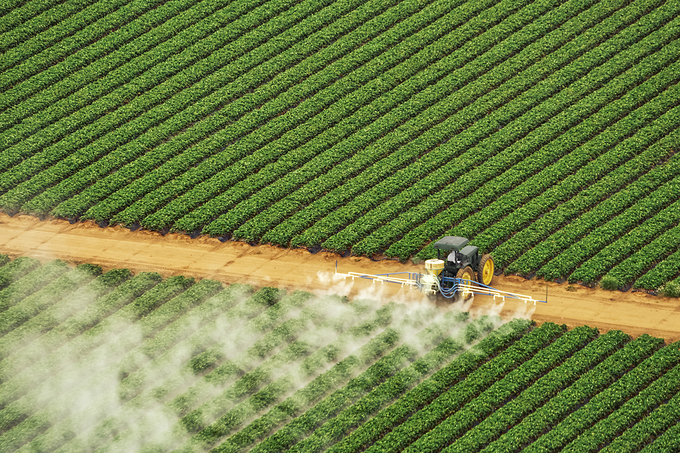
x,y
51,317
630,413
614,253
186,336
492,399
34,278
18,404
270,70
296,229
37,74
103,135
545,388
15,270
331,405
543,418
663,439
426,87
414,400
660,183
46,21
33,305
664,271
607,401
15,12
645,258
18,385
391,390
460,394
76,325
441,178
558,205
225,424
335,92
410,223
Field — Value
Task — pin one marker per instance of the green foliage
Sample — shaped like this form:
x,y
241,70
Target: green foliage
x,y
670,289
610,283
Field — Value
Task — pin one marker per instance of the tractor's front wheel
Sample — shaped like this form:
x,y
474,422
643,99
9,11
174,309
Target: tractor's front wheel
x,y
465,273
486,268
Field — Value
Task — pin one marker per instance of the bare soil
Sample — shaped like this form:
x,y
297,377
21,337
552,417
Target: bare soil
x,y
174,254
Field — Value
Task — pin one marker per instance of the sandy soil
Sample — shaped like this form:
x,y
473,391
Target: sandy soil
x,y
230,262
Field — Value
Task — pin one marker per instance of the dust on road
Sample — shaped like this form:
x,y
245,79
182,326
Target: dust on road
x,y
175,254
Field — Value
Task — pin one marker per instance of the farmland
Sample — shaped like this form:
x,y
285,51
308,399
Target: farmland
x,y
148,363
544,131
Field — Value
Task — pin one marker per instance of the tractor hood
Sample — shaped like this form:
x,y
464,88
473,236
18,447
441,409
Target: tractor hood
x,y
450,243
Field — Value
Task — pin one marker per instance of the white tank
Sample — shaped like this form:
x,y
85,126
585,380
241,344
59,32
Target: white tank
x,y
434,267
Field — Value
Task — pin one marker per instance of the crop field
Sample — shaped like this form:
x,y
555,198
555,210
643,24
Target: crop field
x,y
95,361
545,131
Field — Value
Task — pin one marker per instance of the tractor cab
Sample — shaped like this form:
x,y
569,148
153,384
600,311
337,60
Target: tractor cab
x,y
462,260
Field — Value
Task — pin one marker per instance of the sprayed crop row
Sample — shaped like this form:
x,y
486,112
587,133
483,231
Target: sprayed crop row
x,y
371,128
181,365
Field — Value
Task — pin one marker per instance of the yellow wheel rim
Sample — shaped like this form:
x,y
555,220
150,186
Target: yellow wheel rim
x,y
487,271
467,275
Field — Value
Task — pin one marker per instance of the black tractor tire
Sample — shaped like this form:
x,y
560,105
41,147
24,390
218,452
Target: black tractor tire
x,y
468,274
485,270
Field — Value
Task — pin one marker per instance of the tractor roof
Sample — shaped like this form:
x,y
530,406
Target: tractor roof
x,y
451,243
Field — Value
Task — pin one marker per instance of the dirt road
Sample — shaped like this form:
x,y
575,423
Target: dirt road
x,y
230,262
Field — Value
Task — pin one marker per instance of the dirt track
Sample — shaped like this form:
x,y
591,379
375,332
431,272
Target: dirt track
x,y
230,262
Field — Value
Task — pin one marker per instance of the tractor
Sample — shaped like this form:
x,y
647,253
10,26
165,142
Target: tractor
x,y
461,272
463,261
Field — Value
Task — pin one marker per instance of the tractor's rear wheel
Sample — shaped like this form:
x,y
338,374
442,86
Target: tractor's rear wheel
x,y
486,268
466,273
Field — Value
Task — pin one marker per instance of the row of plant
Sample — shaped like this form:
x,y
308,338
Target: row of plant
x,y
664,271
50,317
376,346
33,305
410,224
441,178
607,401
15,12
46,21
415,399
561,203
15,270
291,407
12,390
306,217
129,387
309,417
394,388
584,248
629,414
590,383
666,443
188,332
486,403
660,183
33,80
76,325
626,272
422,97
631,242
429,337
427,126
35,277
343,87
101,136
268,71
535,396
462,392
